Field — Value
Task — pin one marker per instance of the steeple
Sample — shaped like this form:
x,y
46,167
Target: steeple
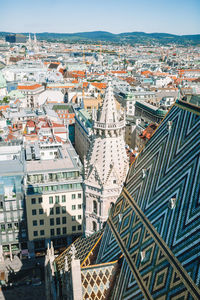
x,y
109,112
106,163
35,44
35,39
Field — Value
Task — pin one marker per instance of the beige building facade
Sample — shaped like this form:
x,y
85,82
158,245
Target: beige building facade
x,y
54,199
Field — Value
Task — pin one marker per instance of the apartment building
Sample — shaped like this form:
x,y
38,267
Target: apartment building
x,y
31,91
83,132
54,196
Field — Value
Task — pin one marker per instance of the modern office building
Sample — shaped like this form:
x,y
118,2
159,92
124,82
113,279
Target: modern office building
x,y
13,237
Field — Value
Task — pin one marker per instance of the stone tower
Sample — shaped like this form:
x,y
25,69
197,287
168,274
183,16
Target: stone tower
x,y
106,164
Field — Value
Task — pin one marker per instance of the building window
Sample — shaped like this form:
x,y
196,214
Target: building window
x,y
79,196
42,222
94,226
95,207
9,225
41,232
64,220
64,230
73,196
57,210
41,211
40,200
50,200
79,227
34,212
3,227
57,221
58,231
63,209
73,218
35,233
16,225
73,228
51,222
79,206
79,217
51,211
73,207
52,231
33,201
63,198
34,222
57,199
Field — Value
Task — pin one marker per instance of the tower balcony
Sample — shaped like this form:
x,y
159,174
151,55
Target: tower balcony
x,y
109,126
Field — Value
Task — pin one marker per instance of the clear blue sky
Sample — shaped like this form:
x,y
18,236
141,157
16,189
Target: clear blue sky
x,y
171,16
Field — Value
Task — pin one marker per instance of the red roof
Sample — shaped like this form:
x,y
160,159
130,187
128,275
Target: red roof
x,y
4,107
119,72
99,85
29,87
57,125
30,124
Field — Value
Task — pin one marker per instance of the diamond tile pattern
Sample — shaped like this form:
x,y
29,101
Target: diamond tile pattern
x,y
97,280
83,246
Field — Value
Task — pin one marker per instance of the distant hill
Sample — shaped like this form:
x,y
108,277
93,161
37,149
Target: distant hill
x,y
126,37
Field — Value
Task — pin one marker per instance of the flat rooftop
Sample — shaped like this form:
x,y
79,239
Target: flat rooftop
x,y
66,162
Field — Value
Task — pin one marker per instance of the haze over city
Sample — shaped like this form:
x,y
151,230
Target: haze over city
x,y
116,16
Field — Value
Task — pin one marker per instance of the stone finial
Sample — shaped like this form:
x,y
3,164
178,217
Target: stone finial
x,y
172,203
66,264
48,250
142,254
73,251
52,249
144,173
120,217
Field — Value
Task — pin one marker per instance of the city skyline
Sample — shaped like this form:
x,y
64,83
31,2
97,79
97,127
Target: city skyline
x,y
115,16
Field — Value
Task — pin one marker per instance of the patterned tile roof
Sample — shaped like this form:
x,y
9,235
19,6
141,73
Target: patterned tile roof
x,y
97,280
155,221
83,247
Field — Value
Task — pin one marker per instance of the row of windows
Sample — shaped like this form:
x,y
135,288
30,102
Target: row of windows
x,y
63,209
57,231
34,200
9,226
52,176
56,221
40,210
35,222
57,210
49,188
63,198
57,199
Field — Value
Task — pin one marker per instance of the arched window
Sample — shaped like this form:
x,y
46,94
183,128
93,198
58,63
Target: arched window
x,y
95,207
94,226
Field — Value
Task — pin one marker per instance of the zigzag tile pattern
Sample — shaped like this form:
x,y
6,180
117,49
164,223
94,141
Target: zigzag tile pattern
x,y
160,244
